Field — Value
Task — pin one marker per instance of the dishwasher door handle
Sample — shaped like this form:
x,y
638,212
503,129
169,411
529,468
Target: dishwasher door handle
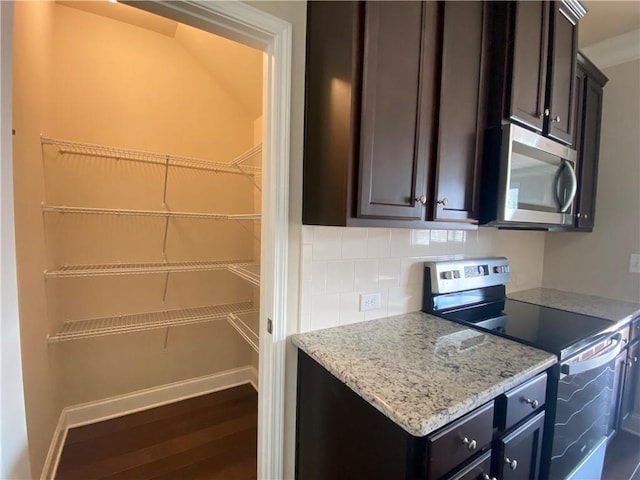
x,y
604,357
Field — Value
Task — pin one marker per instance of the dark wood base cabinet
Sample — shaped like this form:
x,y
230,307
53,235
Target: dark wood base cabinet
x,y
341,436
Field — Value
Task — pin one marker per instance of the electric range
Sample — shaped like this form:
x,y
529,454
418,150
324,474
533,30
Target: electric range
x,y
472,292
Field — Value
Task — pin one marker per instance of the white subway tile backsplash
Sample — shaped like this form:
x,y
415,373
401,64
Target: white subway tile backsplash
x,y
379,242
411,271
455,242
307,235
354,243
389,272
404,299
384,306
349,308
338,264
327,243
400,242
438,241
325,311
366,275
318,277
307,261
340,277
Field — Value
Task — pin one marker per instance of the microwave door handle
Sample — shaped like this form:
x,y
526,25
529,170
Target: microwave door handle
x,y
573,187
601,359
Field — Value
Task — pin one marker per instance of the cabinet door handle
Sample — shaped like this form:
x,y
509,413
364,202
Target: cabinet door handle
x,y
487,477
556,120
471,444
628,363
513,464
422,199
443,202
544,114
534,403
578,215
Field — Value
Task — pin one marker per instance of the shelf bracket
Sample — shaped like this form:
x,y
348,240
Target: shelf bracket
x,y
164,241
166,175
249,177
166,285
166,338
255,237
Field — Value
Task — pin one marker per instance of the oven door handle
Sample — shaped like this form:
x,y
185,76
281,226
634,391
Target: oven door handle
x,y
599,360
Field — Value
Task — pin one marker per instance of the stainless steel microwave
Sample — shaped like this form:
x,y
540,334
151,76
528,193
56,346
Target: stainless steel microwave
x,y
528,180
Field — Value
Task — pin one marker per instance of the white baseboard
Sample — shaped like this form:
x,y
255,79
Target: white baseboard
x,y
92,412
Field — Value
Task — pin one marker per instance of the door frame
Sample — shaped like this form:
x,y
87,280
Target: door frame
x,y
251,26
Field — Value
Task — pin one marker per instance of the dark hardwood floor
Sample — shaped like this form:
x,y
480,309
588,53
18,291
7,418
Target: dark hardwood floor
x,y
622,461
212,436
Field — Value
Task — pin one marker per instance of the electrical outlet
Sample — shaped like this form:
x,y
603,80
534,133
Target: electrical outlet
x,y
369,301
634,263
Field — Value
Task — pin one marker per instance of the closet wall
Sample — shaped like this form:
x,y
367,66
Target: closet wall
x,y
87,78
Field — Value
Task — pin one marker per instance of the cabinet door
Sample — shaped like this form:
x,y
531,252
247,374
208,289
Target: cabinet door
x,y
529,71
462,111
564,47
588,155
518,453
397,108
630,381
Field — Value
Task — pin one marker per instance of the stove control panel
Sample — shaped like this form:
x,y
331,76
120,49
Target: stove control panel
x,y
458,275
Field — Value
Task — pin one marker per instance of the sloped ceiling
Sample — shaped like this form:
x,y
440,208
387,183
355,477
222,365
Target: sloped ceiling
x,y
236,67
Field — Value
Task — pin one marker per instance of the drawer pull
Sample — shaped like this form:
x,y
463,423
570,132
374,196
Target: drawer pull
x,y
513,464
487,477
471,444
534,403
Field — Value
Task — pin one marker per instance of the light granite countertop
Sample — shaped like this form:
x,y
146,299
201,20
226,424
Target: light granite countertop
x,y
607,308
421,371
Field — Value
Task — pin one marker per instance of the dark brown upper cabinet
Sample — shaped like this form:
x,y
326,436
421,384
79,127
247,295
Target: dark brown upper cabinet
x,y
462,110
534,63
588,115
394,114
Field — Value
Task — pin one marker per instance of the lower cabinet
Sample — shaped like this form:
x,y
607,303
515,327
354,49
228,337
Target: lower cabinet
x,y
517,454
339,435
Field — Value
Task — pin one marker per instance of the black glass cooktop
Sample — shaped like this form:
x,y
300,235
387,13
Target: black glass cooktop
x,y
556,331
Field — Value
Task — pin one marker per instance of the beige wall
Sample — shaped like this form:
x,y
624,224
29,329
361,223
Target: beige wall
x,y
597,263
80,79
32,111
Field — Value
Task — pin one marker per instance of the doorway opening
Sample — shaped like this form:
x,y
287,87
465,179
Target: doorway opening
x,y
162,210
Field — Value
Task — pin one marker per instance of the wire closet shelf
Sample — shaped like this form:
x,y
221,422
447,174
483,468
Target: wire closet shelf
x,y
97,327
141,268
147,213
245,323
237,165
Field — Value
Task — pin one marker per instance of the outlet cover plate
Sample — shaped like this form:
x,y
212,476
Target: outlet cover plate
x,y
369,301
634,263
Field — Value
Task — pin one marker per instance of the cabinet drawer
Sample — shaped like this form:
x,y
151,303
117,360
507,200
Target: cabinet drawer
x,y
459,441
520,402
479,469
